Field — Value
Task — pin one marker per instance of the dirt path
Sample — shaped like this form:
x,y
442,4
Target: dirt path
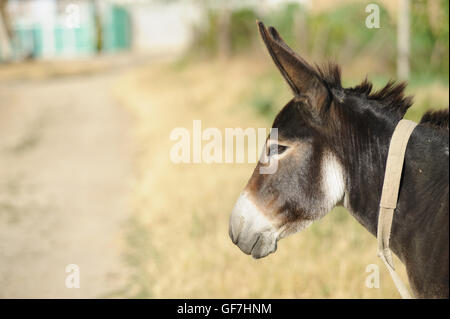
x,y
65,176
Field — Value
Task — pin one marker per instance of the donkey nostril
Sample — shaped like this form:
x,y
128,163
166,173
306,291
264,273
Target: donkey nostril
x,y
230,233
236,227
240,226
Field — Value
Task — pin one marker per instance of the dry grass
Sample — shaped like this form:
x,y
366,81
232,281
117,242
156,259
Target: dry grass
x,y
39,70
178,241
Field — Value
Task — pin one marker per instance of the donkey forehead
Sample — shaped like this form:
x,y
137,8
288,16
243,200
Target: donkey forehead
x,y
292,123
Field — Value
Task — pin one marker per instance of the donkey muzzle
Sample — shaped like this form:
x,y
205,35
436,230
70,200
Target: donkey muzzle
x,y
250,230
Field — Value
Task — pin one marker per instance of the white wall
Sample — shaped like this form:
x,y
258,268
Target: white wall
x,y
160,27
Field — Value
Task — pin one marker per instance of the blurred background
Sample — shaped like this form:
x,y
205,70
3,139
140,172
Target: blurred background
x,y
89,93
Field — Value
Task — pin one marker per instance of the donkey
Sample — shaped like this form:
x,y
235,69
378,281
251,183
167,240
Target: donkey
x,y
331,150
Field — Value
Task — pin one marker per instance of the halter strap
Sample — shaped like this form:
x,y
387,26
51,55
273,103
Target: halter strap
x,y
389,198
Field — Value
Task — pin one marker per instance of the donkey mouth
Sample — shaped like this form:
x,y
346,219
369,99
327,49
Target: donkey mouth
x,y
258,245
250,231
263,247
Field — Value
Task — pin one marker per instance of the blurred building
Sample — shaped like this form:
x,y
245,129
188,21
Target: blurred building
x,y
59,28
75,28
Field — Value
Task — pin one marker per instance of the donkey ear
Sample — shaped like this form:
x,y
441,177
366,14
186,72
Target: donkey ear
x,y
300,76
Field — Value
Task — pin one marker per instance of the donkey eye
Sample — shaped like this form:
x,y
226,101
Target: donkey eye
x,y
276,148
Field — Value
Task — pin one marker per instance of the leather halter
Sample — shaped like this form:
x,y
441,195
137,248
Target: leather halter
x,y
389,198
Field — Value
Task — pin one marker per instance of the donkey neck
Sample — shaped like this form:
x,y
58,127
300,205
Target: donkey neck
x,y
365,163
363,149
364,181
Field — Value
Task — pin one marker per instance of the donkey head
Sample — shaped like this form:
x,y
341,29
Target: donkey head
x,y
309,180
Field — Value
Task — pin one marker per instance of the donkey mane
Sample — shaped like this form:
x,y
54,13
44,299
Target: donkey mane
x,y
391,97
437,119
